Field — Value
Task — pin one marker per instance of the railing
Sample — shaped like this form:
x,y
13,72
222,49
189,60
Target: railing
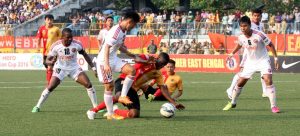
x,y
167,37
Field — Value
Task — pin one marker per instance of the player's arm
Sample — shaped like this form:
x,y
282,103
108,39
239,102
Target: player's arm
x,y
123,49
166,94
107,67
39,36
273,50
50,60
236,49
180,90
88,60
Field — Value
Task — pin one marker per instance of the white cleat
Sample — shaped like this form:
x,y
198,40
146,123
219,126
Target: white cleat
x,y
91,114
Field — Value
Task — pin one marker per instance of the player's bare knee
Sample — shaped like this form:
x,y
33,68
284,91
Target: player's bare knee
x,y
88,85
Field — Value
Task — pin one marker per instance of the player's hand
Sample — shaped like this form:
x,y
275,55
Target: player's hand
x,y
95,71
179,106
276,64
107,69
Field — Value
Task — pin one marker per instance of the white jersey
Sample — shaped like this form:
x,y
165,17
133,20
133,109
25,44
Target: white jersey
x,y
259,27
255,47
66,56
102,35
115,39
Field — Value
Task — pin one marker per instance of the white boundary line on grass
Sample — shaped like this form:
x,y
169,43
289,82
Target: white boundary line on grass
x,y
28,87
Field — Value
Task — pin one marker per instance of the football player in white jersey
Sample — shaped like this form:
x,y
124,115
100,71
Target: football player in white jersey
x,y
108,62
109,22
255,45
66,51
255,25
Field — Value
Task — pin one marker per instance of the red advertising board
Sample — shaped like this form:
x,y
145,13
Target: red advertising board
x,y
206,63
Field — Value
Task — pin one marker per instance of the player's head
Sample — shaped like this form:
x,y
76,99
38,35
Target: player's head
x,y
171,66
162,60
109,21
245,24
256,15
131,18
49,19
67,36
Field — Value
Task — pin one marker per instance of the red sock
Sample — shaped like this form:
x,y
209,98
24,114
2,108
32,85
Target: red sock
x,y
48,75
158,93
102,105
123,113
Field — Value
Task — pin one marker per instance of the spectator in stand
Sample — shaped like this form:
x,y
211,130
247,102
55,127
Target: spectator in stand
x,y
224,23
197,20
187,47
290,23
297,20
278,20
264,20
163,47
206,48
194,47
152,48
172,19
173,48
75,26
181,47
272,24
283,23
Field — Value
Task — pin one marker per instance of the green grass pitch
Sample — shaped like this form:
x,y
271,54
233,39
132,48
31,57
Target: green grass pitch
x,y
64,113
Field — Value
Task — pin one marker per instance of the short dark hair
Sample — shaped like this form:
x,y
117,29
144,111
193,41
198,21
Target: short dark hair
x,y
172,62
259,11
245,19
165,57
132,15
67,30
108,18
49,16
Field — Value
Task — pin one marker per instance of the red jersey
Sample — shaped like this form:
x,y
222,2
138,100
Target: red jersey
x,y
48,36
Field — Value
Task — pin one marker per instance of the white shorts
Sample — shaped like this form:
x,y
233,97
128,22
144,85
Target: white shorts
x,y
116,65
263,67
61,74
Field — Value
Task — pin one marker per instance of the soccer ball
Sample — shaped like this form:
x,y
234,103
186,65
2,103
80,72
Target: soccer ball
x,y
167,110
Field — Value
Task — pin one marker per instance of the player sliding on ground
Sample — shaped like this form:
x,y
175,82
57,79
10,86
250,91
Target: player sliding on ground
x,y
144,73
254,43
108,62
171,80
66,65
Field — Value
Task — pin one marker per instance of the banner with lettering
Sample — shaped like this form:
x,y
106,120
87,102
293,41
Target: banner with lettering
x,y
206,63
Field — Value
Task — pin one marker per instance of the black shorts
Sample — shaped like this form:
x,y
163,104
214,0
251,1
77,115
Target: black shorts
x,y
132,94
151,90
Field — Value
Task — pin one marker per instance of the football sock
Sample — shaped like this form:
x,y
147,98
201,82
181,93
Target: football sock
x,y
234,81
108,99
271,92
126,85
235,94
123,113
48,75
102,105
93,97
158,93
264,86
43,97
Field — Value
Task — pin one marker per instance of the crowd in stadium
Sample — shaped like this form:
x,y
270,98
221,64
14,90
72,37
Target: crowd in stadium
x,y
18,11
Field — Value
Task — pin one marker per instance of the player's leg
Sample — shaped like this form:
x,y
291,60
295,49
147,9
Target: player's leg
x,y
271,92
54,82
133,109
130,72
233,84
49,70
264,87
243,78
80,77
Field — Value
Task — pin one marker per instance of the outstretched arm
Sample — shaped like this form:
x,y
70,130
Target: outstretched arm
x,y
88,60
166,94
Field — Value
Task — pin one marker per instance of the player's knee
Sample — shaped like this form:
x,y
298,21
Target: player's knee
x,y
268,81
132,71
109,86
134,113
88,85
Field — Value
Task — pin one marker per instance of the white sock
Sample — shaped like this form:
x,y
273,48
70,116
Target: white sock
x,y
93,97
271,92
126,85
108,99
233,83
236,93
264,86
43,97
